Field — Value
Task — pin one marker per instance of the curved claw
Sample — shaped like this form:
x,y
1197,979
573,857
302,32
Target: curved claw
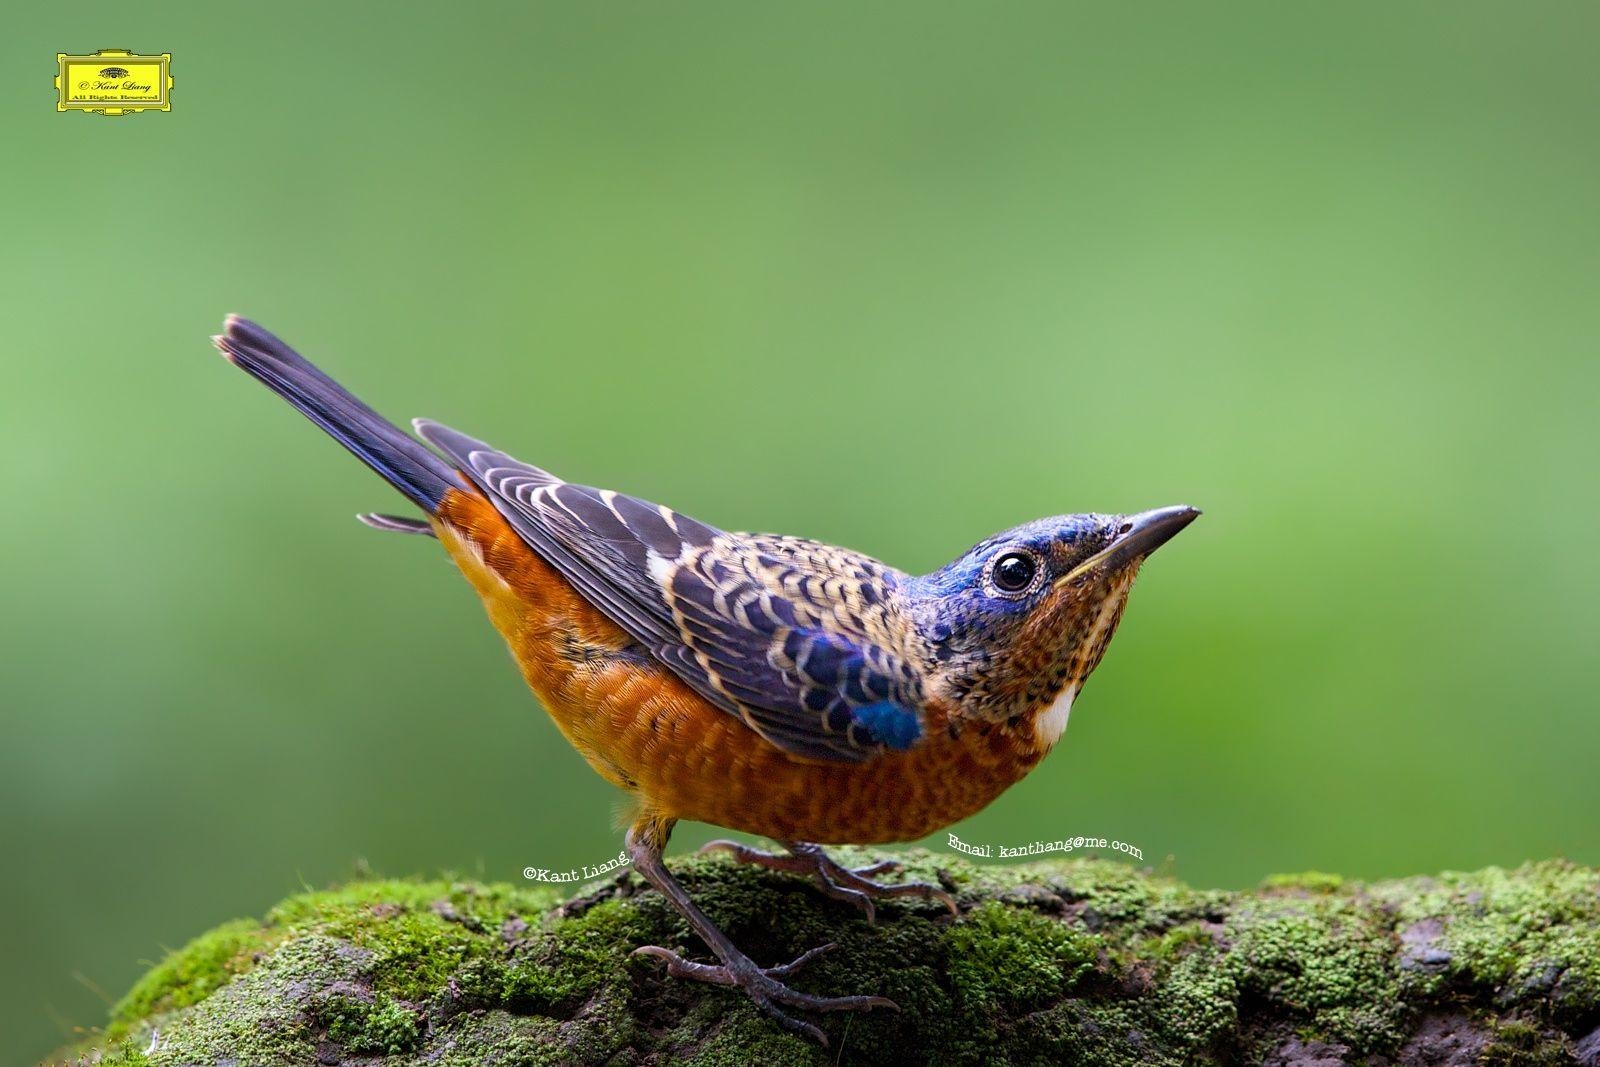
x,y
850,884
925,890
743,853
869,910
763,986
784,970
880,867
678,967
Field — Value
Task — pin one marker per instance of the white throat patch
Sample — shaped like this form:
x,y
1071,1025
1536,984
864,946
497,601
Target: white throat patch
x,y
1049,724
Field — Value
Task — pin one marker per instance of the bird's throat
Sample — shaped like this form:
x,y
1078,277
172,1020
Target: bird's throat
x,y
1088,646
1051,723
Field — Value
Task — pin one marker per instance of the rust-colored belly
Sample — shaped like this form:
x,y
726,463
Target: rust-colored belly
x,y
644,729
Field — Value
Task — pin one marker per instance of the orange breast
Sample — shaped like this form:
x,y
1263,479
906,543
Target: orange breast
x,y
645,730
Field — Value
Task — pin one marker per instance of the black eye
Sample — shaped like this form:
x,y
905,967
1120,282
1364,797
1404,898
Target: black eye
x,y
1014,571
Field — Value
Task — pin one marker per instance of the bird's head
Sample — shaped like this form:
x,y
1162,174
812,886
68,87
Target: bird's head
x,y
1016,624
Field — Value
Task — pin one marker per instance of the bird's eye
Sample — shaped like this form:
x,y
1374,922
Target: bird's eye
x,y
1014,571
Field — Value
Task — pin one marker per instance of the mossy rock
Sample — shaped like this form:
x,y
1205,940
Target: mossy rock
x,y
1082,961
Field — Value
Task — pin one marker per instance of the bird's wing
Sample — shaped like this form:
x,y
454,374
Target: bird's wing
x,y
797,639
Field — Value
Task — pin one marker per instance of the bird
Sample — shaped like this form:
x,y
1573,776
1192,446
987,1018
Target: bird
x,y
766,684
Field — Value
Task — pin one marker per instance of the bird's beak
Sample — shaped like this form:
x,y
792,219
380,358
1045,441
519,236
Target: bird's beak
x,y
1137,537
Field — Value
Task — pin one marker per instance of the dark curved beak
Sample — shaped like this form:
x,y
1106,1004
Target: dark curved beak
x,y
1137,537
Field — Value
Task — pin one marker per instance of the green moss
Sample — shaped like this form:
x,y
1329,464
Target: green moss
x,y
739,1037
1309,881
1521,1044
265,1016
1013,960
1532,934
192,973
377,1024
1325,960
1175,944
124,1054
571,959
1197,1000
1082,961
422,935
1088,1032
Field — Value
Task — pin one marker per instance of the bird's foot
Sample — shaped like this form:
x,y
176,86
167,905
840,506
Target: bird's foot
x,y
851,884
765,987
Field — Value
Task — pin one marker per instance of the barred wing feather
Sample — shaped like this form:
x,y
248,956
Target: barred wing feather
x,y
802,641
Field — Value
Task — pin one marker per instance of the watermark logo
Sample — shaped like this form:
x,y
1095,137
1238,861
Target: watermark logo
x,y
1039,848
131,84
576,874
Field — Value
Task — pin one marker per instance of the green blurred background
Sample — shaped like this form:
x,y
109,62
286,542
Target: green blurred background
x,y
891,278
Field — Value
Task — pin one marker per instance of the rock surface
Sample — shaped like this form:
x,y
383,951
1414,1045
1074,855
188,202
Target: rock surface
x,y
1079,961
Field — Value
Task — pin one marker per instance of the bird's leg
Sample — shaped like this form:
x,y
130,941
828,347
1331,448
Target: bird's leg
x,y
837,880
763,985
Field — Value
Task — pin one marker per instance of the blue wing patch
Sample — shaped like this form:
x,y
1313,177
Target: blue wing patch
x,y
887,723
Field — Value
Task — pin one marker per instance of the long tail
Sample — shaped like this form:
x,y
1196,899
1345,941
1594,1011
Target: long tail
x,y
408,466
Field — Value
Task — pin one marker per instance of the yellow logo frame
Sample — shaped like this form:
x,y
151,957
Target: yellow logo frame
x,y
114,81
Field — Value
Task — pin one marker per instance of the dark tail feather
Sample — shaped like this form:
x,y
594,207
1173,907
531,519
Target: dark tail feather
x,y
395,524
403,461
